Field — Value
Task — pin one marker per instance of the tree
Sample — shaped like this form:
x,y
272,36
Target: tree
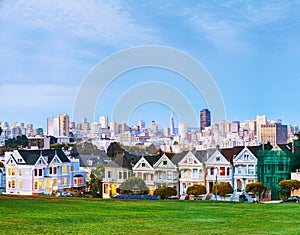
x,y
196,190
133,185
256,188
165,192
95,183
289,185
1,130
113,149
223,189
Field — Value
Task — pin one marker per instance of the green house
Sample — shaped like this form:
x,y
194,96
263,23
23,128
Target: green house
x,y
276,164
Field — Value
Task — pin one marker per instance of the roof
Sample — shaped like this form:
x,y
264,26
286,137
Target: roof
x,y
31,156
230,153
126,160
178,157
287,148
92,160
203,155
255,149
152,159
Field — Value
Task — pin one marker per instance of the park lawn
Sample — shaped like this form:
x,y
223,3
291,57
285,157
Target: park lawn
x,y
43,215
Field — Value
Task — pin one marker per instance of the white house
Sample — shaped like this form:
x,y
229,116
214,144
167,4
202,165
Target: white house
x,y
165,173
218,169
244,169
40,172
191,171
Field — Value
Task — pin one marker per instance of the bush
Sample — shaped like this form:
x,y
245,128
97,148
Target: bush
x,y
196,190
165,192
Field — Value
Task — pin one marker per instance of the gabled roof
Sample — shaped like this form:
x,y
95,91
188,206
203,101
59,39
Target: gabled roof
x,y
152,159
95,160
31,156
230,153
255,149
126,160
287,148
178,157
203,155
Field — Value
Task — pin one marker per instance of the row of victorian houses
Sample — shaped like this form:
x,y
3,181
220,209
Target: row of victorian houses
x,y
29,172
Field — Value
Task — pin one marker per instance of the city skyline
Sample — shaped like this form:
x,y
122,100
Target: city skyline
x,y
249,48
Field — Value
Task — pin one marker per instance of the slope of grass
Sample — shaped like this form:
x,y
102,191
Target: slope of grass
x,y
92,216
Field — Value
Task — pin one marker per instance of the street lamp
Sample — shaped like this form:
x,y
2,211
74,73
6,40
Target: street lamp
x,y
217,182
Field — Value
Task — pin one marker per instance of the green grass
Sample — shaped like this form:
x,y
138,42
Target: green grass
x,y
91,216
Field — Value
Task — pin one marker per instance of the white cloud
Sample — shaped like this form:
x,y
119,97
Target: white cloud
x,y
97,21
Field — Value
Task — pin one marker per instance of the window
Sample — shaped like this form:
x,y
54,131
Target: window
x,y
54,170
71,168
64,169
80,181
75,181
165,163
228,170
54,160
222,171
50,170
35,172
40,185
109,174
9,171
190,160
185,173
174,175
20,172
217,159
195,173
145,176
64,181
20,184
143,164
124,175
160,175
13,172
35,185
169,175
40,172
120,175
212,171
9,184
152,177
280,166
140,175
54,182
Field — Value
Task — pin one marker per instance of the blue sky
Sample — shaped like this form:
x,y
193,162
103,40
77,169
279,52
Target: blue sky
x,y
250,48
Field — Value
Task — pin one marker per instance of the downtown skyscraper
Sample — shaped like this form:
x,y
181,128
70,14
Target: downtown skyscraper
x,y
205,119
172,129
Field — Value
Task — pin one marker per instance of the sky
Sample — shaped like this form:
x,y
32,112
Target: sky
x,y
251,50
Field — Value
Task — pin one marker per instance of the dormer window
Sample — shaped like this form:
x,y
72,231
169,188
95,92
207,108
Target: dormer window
x,y
190,160
143,164
165,163
217,159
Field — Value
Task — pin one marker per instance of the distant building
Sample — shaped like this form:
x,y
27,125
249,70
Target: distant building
x,y
38,142
274,133
260,120
205,119
63,124
154,127
182,130
172,129
103,120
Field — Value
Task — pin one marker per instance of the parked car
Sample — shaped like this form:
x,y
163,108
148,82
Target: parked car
x,y
292,199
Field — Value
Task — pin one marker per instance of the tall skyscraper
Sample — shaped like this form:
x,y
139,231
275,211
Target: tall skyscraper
x,y
103,120
172,129
275,133
182,130
260,120
52,127
154,127
205,119
63,124
141,125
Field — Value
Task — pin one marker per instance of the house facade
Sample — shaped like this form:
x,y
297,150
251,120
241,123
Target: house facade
x,y
166,173
191,171
218,169
30,172
244,164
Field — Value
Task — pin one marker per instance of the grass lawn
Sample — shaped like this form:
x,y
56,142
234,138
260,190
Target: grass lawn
x,y
41,215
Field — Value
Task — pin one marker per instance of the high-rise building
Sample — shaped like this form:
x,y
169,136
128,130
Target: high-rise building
x,y
234,126
113,127
52,127
172,129
205,119
182,130
85,126
103,120
63,124
260,120
141,125
153,127
274,133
